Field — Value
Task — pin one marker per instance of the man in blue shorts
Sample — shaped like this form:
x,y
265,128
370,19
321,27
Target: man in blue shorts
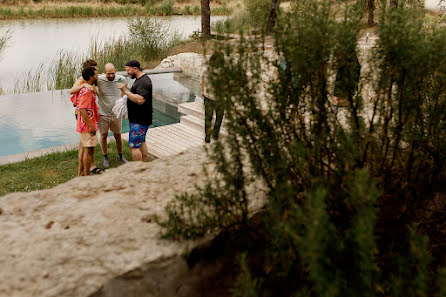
x,y
139,105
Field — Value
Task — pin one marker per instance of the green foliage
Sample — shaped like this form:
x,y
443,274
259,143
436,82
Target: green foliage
x,y
151,37
63,71
240,20
258,10
116,51
441,282
195,215
165,8
197,10
343,186
245,285
187,10
4,42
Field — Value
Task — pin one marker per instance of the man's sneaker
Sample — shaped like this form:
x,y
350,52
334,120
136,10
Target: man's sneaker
x,y
122,159
106,163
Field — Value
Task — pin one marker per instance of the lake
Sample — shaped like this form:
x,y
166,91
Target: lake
x,y
39,41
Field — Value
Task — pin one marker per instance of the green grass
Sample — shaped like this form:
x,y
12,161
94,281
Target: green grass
x,y
50,170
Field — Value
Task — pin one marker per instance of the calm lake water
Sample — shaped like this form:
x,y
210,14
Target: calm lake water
x,y
39,41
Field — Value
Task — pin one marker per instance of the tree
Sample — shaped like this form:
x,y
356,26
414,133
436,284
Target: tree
x,y
271,23
205,19
371,13
348,192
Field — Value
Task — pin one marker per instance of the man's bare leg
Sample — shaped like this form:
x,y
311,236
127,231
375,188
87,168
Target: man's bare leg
x,y
144,152
136,154
80,156
88,159
104,144
92,166
118,142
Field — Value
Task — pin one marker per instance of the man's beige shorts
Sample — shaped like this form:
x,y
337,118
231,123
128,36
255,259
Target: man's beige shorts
x,y
109,123
88,140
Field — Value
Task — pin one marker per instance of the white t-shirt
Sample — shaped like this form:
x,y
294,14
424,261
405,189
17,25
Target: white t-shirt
x,y
108,93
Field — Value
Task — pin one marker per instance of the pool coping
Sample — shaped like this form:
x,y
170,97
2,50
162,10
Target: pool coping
x,y
20,157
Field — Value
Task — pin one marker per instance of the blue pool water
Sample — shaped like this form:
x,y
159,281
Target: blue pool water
x,y
35,121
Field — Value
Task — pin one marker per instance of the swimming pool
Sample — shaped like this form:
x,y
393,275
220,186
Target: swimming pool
x,y
35,121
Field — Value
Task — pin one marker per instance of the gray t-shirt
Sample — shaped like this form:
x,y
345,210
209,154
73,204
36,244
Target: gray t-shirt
x,y
208,93
108,93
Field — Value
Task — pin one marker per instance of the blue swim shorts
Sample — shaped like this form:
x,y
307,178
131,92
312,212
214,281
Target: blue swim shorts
x,y
137,135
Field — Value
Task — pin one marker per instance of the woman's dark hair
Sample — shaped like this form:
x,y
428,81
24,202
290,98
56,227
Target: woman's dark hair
x,y
89,63
88,72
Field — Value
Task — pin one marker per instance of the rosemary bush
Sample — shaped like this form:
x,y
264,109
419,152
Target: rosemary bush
x,y
355,195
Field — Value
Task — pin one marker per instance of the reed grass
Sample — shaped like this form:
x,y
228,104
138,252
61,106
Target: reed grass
x,y
151,8
71,12
116,51
4,42
148,40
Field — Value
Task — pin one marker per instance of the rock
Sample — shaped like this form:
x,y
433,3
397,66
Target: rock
x,y
436,5
191,63
96,236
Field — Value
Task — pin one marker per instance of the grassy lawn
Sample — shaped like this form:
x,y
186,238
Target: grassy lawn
x,y
50,170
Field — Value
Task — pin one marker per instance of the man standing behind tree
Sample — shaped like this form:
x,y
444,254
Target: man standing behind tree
x,y
87,120
108,94
139,106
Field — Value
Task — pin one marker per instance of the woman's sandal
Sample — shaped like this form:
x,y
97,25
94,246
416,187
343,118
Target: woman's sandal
x,y
97,170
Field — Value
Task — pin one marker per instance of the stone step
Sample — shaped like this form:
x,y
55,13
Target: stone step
x,y
198,124
195,109
193,122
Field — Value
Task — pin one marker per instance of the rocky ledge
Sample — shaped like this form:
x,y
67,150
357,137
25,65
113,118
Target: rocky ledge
x,y
96,236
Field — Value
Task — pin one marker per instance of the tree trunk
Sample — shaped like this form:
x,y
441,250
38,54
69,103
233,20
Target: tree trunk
x,y
205,19
272,16
371,11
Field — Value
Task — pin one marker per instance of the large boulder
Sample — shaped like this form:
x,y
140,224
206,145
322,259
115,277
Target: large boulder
x,y
192,64
436,5
96,236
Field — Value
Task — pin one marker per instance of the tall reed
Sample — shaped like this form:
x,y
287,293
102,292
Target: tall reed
x,y
148,40
4,42
116,51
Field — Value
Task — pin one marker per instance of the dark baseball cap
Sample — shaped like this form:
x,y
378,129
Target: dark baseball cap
x,y
134,63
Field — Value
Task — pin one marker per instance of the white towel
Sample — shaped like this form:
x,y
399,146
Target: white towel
x,y
120,108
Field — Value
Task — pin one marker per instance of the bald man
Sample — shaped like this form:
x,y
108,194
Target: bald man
x,y
108,94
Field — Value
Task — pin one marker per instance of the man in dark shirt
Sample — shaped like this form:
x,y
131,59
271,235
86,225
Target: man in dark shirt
x,y
139,105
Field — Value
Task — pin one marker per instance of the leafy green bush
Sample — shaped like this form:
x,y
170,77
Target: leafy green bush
x,y
354,194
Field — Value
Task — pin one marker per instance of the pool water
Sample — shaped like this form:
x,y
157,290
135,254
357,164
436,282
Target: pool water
x,y
34,121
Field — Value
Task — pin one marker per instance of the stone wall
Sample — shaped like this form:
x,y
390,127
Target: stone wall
x,y
96,236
